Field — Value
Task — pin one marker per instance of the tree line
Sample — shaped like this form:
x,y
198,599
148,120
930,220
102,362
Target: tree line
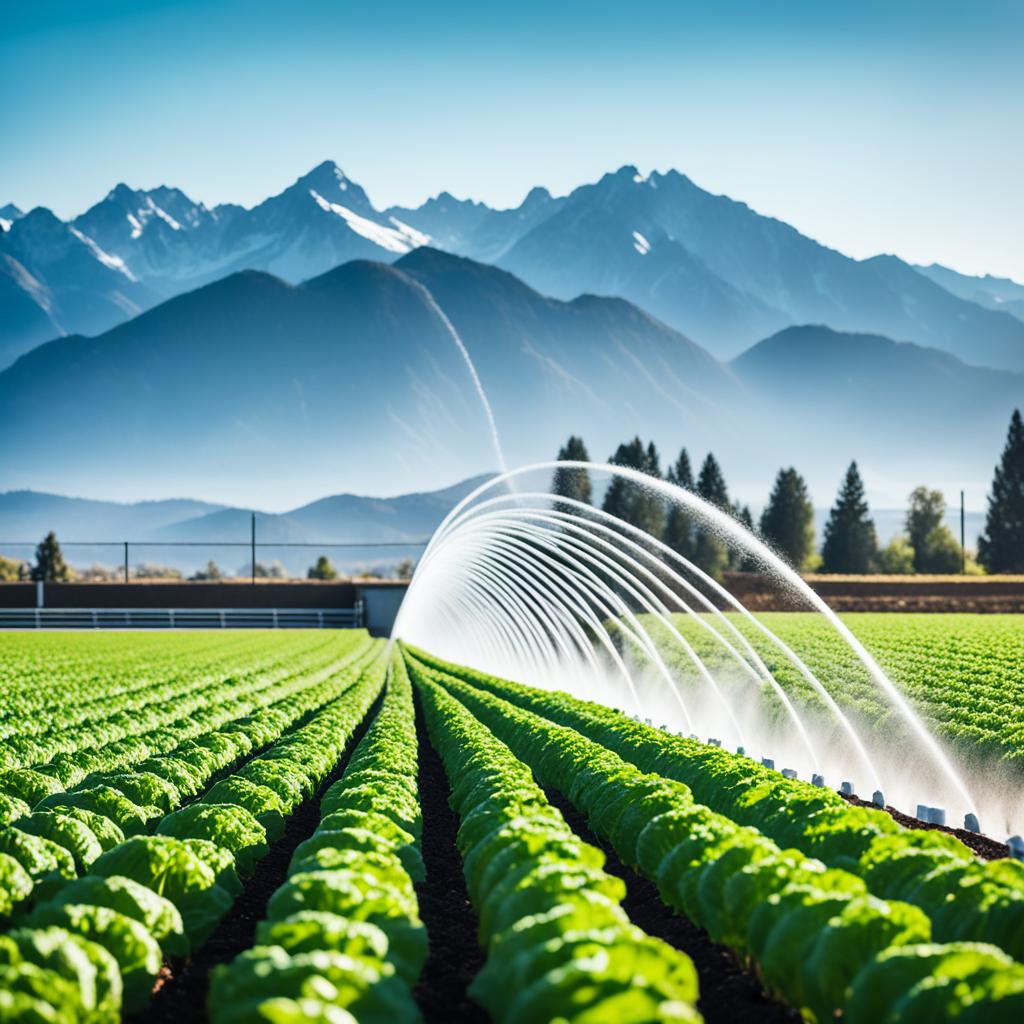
x,y
850,543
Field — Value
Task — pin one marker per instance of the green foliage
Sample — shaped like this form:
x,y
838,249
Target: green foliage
x,y
50,566
679,525
13,569
935,548
816,891
211,572
525,869
630,501
572,483
850,542
711,553
1001,546
897,557
322,570
787,522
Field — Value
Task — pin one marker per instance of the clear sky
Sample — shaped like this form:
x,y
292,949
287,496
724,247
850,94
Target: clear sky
x,y
871,125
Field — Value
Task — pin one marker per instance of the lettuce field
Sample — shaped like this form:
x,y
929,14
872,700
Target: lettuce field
x,y
319,826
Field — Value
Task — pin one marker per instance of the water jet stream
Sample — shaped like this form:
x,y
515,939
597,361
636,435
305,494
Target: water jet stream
x,y
566,565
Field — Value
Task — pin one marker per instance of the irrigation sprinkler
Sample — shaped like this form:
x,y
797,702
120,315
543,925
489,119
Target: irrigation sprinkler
x,y
817,780
936,816
878,799
789,773
1016,845
742,751
847,789
713,742
922,812
767,762
971,823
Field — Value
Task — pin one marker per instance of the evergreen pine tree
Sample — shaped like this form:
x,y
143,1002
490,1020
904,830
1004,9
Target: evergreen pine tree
x,y
787,522
710,552
50,566
1001,546
629,501
571,482
711,484
679,535
850,542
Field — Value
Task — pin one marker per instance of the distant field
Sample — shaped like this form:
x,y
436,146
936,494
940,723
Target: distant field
x,y
963,671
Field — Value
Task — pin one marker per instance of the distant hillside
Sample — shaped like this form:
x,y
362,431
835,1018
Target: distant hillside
x,y
999,293
337,519
352,379
909,414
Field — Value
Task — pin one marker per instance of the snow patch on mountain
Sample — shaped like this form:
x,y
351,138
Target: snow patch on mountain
x,y
391,239
111,262
641,244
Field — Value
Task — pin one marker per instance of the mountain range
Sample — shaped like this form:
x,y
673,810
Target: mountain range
x,y
706,265
360,378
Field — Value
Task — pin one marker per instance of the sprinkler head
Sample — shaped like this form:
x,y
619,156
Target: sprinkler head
x,y
742,751
714,742
922,812
936,815
847,789
767,762
878,799
971,823
789,773
817,780
1016,845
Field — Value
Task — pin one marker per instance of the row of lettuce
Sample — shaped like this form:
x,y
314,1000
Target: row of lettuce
x,y
95,707
837,908
104,881
343,938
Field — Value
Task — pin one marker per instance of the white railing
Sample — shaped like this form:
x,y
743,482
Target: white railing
x,y
182,618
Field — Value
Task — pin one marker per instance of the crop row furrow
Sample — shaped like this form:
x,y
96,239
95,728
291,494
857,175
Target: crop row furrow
x,y
344,932
558,941
818,937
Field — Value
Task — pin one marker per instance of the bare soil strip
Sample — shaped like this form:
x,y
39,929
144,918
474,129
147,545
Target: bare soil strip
x,y
455,955
984,846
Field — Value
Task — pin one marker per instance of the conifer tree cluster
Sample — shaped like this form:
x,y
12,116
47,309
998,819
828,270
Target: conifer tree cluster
x,y
850,543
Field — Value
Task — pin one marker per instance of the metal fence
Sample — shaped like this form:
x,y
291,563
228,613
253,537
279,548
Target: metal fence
x,y
122,550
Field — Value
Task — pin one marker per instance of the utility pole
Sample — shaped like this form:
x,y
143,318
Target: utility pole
x,y
963,548
252,546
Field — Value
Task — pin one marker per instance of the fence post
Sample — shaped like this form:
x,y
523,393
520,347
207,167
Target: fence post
x,y
40,597
963,549
252,545
126,561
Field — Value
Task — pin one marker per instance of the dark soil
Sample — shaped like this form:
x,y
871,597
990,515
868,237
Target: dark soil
x,y
985,847
455,956
179,996
728,993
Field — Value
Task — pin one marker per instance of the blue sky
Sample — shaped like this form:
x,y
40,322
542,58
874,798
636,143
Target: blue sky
x,y
872,126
